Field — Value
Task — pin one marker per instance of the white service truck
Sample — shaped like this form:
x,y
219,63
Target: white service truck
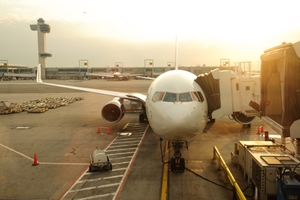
x,y
99,161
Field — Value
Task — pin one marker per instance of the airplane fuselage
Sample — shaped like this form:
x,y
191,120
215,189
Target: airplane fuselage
x,y
176,107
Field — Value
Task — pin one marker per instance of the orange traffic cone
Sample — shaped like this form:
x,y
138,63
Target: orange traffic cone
x,y
35,162
98,131
258,130
108,130
262,129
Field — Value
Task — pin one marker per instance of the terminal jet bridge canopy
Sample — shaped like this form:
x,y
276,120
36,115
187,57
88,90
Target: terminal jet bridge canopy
x,y
229,93
280,88
211,90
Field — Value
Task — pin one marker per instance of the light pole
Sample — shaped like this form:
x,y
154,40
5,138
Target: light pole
x,y
149,62
5,64
85,63
119,64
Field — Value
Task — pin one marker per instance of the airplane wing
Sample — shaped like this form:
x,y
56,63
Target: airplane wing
x,y
130,96
144,77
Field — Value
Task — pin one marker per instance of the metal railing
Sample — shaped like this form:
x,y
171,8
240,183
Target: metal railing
x,y
222,165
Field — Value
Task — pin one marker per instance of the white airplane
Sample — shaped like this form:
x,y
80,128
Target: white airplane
x,y
114,75
175,107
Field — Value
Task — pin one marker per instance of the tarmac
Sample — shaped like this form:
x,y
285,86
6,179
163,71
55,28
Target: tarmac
x,y
65,137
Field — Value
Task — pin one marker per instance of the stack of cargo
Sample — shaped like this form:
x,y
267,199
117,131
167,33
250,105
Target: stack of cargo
x,y
37,105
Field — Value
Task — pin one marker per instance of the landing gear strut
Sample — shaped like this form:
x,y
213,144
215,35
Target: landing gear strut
x,y
143,116
177,162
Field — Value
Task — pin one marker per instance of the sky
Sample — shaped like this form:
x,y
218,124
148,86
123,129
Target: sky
x,y
131,31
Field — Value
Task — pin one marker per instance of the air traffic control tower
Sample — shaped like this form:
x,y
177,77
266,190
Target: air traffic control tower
x,y
42,29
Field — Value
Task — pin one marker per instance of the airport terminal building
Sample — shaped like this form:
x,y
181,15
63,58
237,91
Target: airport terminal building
x,y
9,72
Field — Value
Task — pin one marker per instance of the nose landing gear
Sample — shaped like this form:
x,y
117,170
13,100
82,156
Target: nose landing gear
x,y
177,162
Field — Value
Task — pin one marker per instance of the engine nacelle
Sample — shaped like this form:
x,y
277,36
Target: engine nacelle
x,y
113,111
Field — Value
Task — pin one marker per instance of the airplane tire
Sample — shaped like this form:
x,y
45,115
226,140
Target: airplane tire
x,y
242,119
177,168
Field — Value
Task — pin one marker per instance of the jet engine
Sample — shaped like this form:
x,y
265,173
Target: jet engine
x,y
242,119
114,110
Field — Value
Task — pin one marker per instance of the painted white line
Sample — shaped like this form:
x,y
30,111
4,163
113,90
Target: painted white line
x,y
98,196
49,163
125,126
130,165
16,152
113,150
41,163
121,169
127,142
120,163
129,138
22,127
75,183
96,187
115,154
126,157
114,145
99,179
126,145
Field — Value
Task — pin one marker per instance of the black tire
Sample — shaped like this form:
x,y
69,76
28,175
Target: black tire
x,y
142,117
242,119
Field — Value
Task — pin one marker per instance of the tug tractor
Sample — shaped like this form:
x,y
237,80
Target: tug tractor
x,y
99,161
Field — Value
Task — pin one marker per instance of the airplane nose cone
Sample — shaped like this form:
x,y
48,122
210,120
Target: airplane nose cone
x,y
177,115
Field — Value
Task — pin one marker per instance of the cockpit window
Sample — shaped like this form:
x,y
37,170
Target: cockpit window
x,y
197,96
158,96
170,97
185,97
181,97
200,96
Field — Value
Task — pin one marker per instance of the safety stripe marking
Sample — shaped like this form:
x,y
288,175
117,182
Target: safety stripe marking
x,y
95,187
96,197
120,158
113,150
99,179
115,154
121,163
119,142
126,142
121,146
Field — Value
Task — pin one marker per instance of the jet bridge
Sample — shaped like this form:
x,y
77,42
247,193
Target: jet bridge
x,y
280,89
229,93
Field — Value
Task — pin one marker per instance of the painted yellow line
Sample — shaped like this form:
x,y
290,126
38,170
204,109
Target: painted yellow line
x,y
164,181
